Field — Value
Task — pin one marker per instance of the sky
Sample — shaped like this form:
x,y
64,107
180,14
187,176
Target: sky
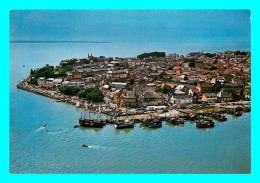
x,y
130,25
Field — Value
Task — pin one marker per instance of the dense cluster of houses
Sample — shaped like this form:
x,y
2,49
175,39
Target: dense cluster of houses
x,y
132,82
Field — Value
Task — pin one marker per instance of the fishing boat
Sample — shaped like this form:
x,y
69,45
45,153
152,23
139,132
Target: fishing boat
x,y
204,123
121,124
176,121
237,113
191,117
155,125
87,122
247,109
219,116
152,122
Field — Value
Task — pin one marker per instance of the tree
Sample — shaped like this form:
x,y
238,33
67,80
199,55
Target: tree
x,y
229,90
142,81
95,95
166,89
213,68
87,74
47,72
152,54
217,87
69,90
131,81
31,72
33,81
82,94
170,68
210,55
191,64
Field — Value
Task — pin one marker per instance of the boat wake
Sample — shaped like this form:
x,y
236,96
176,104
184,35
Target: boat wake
x,y
94,146
40,129
57,132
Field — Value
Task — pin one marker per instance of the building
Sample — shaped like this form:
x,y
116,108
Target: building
x,y
151,86
117,74
180,97
209,97
131,99
78,83
150,97
118,85
205,87
57,83
224,97
41,81
104,89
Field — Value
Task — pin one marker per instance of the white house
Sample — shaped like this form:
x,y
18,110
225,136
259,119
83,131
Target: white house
x,y
41,81
78,83
57,83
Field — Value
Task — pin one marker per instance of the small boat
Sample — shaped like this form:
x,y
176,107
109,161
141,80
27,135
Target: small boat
x,y
204,123
175,121
137,120
110,121
237,113
191,117
46,130
218,116
155,125
44,126
76,126
84,145
247,109
124,124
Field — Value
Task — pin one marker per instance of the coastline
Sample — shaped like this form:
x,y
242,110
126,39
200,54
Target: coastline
x,y
59,97
84,104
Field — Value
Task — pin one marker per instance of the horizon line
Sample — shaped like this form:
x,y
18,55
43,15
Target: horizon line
x,y
25,41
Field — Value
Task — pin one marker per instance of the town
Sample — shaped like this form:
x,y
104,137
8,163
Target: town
x,y
152,84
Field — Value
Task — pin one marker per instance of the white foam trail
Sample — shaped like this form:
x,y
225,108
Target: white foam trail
x,y
94,146
39,129
57,132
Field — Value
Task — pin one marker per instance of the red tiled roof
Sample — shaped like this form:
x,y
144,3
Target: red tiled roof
x,y
77,76
160,84
46,86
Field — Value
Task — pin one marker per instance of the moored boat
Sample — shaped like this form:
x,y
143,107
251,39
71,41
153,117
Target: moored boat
x,y
237,113
204,123
124,124
91,123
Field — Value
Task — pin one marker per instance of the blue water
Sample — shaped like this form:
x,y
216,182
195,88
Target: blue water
x,y
170,149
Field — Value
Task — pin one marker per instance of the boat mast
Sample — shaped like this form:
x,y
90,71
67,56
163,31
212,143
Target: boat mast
x,y
99,113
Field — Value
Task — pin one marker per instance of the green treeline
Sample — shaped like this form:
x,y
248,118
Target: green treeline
x,y
152,54
47,72
69,90
93,94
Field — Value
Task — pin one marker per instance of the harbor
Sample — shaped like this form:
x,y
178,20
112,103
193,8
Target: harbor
x,y
149,118
170,143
